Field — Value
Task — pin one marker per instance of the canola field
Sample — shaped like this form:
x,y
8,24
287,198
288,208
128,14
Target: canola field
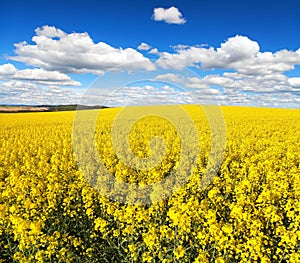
x,y
59,204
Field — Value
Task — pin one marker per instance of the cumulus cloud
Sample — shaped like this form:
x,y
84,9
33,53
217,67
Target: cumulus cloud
x,y
148,94
21,92
217,80
236,49
294,82
196,83
238,53
169,77
236,72
50,31
246,72
232,88
277,83
182,81
55,50
44,77
7,69
144,46
37,76
16,87
153,51
170,15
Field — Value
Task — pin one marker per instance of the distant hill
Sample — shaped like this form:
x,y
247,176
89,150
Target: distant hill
x,y
46,108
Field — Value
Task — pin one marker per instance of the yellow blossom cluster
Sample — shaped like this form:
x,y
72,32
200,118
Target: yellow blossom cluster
x,y
54,208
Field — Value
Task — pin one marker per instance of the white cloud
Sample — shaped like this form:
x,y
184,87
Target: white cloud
x,y
236,72
233,88
170,15
169,77
180,46
294,82
49,31
168,88
195,83
139,95
238,53
149,87
153,51
236,49
144,46
254,77
13,87
218,81
37,76
20,92
7,69
44,77
56,50
183,58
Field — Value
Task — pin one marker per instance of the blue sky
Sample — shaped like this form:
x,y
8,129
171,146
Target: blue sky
x,y
236,52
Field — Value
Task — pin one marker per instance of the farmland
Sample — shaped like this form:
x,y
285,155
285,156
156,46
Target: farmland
x,y
55,206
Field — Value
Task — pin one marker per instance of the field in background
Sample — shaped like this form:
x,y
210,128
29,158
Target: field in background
x,y
44,108
249,213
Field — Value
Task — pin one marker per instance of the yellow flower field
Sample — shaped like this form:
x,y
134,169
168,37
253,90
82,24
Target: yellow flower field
x,y
54,208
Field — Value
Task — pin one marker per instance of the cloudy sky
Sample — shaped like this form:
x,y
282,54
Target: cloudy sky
x,y
150,52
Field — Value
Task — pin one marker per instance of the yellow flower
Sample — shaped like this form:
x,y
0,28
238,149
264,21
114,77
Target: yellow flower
x,y
147,257
179,252
100,224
